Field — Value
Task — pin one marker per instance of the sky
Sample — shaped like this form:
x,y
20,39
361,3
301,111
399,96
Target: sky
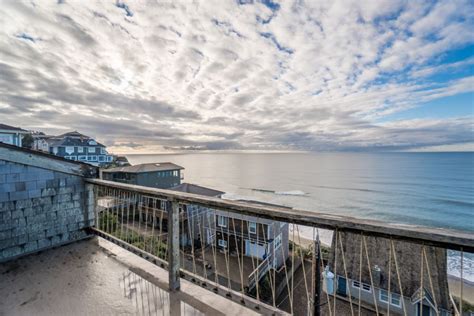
x,y
151,76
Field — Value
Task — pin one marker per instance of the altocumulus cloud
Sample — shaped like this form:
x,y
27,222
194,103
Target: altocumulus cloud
x,y
315,75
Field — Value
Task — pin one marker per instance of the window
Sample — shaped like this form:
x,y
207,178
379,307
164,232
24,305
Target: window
x,y
222,221
365,287
277,242
252,227
109,158
91,150
394,298
102,151
80,149
82,158
222,243
101,158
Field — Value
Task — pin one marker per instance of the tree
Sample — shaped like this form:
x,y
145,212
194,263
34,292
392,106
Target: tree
x,y
27,141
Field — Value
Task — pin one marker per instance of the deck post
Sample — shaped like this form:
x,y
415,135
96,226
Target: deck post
x,y
316,267
172,208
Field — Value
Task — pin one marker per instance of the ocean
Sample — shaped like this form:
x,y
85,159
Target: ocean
x,y
430,189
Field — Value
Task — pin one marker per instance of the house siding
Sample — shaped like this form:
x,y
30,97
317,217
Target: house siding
x,y
40,208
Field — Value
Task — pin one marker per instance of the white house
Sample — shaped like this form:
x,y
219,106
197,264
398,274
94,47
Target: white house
x,y
11,135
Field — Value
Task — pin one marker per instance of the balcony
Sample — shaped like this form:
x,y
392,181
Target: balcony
x,y
373,267
149,248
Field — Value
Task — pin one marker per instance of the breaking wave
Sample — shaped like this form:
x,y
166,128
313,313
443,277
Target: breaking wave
x,y
291,192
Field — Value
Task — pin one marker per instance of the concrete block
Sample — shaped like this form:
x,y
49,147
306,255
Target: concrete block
x,y
28,212
30,185
4,169
24,203
18,231
52,183
7,187
72,227
17,168
15,196
32,236
34,193
43,243
30,246
20,186
41,184
49,191
22,239
11,252
7,243
16,213
13,177
3,178
4,197
5,234
66,190
21,222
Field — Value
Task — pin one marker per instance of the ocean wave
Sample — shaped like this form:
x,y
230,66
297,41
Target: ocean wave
x,y
454,265
290,192
293,192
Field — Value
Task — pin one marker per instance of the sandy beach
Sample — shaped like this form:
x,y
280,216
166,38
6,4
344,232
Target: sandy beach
x,y
325,236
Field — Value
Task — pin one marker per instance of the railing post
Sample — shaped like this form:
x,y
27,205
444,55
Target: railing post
x,y
172,208
317,277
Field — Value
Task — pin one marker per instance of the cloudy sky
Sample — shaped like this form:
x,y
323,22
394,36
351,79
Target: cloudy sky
x,y
141,76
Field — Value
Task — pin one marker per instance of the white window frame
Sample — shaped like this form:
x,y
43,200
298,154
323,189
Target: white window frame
x,y
390,296
82,158
277,242
91,150
384,293
365,286
222,221
399,300
252,227
357,284
102,158
80,149
102,151
222,243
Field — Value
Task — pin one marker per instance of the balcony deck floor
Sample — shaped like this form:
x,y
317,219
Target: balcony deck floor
x,y
96,277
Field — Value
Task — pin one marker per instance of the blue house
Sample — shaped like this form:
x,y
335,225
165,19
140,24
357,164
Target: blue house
x,y
78,147
11,135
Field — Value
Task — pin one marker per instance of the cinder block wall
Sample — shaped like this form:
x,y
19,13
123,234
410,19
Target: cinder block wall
x,y
40,208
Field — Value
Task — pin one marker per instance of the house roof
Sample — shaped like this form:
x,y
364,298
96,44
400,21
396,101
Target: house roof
x,y
408,256
44,160
68,141
12,128
196,189
146,167
73,134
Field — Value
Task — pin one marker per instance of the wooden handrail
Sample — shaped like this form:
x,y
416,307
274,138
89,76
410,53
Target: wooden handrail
x,y
440,237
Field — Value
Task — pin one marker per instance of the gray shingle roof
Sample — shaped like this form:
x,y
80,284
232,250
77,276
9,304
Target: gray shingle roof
x,y
11,128
196,189
146,167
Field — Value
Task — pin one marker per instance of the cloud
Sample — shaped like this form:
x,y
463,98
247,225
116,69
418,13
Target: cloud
x,y
312,75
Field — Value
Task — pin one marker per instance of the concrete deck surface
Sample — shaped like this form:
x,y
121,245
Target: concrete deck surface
x,y
96,277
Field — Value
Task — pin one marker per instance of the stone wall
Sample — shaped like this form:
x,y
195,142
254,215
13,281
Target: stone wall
x,y
40,208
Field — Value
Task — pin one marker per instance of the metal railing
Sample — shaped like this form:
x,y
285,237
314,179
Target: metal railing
x,y
367,266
